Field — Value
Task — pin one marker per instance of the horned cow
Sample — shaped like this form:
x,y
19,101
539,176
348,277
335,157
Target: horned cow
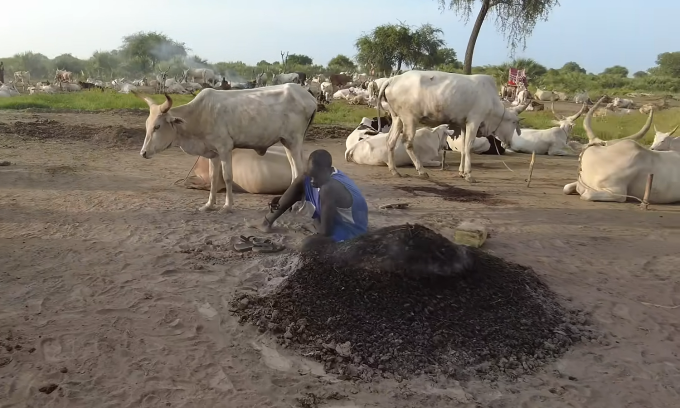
x,y
216,122
424,97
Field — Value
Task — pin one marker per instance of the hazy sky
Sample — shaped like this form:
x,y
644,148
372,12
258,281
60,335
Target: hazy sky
x,y
596,34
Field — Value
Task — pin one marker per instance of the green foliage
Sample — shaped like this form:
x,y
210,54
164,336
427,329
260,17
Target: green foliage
x,y
668,64
341,63
616,70
572,67
396,46
299,59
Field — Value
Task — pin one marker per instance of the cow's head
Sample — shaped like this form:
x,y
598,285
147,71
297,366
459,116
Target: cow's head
x,y
662,141
566,123
508,123
161,126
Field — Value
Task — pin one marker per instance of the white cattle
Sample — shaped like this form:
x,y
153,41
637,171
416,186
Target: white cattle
x,y
581,98
62,75
327,90
176,88
314,88
204,75
68,87
261,79
552,142
665,141
542,95
480,145
428,144
342,94
24,77
191,86
7,90
367,128
216,122
596,140
321,78
254,174
523,97
373,87
292,78
622,103
433,98
127,88
614,171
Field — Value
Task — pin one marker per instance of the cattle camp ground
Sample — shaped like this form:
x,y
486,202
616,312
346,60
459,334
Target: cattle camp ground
x,y
116,291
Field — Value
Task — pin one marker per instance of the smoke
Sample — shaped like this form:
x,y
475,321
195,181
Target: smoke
x,y
166,50
233,77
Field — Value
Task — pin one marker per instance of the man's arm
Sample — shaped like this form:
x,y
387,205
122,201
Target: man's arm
x,y
328,196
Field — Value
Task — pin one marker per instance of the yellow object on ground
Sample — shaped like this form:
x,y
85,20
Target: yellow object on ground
x,y
470,234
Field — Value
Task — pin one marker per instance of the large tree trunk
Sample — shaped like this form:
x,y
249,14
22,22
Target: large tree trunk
x,y
467,68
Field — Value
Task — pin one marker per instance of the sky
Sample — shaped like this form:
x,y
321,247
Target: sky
x,y
595,34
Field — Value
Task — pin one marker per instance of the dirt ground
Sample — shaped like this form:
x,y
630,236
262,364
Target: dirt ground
x,y
114,289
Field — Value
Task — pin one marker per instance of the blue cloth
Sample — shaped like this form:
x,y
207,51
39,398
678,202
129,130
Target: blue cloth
x,y
348,222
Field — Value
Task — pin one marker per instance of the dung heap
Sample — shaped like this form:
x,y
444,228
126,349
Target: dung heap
x,y
404,301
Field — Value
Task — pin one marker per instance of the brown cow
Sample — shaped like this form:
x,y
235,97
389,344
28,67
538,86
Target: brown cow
x,y
339,80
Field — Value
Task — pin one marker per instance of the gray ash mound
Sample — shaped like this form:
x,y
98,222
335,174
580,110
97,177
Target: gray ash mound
x,y
404,301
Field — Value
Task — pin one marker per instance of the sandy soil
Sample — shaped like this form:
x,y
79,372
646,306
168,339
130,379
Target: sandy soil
x,y
114,289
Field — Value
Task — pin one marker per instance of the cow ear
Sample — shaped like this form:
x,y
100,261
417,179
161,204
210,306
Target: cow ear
x,y
177,121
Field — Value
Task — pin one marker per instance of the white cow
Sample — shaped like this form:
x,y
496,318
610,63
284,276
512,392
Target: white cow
x,y
665,141
373,87
428,144
433,98
618,169
581,98
216,122
366,128
327,90
292,78
622,103
523,97
552,142
596,140
24,77
261,79
480,145
254,174
205,75
542,95
8,90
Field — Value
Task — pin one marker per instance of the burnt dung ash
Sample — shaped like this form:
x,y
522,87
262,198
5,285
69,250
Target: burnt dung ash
x,y
405,301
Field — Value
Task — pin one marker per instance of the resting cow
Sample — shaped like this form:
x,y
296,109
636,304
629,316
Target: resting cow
x,y
216,122
665,141
254,174
552,142
612,171
428,143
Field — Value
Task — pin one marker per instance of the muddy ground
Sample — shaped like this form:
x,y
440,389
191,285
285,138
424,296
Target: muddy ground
x,y
115,290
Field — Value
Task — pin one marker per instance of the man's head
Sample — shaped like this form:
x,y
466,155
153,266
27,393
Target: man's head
x,y
320,167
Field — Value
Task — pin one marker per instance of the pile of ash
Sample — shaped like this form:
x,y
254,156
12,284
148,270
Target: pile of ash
x,y
403,301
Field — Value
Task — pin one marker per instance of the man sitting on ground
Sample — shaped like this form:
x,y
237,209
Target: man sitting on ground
x,y
340,211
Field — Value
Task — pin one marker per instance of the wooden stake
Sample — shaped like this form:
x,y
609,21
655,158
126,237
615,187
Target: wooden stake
x,y
648,190
531,167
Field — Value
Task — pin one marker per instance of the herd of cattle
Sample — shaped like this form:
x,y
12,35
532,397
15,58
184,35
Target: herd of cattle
x,y
464,113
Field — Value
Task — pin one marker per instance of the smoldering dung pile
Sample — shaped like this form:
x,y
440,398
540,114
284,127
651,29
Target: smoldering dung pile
x,y
404,301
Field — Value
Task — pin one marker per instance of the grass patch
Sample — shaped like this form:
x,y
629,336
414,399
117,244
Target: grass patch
x,y
340,113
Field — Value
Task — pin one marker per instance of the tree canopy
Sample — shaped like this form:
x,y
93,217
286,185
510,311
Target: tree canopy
x,y
515,20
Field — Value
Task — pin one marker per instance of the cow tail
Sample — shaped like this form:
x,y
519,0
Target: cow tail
x,y
381,95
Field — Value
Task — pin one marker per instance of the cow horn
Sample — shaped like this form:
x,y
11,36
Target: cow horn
x,y
521,108
143,97
167,104
674,129
643,131
578,114
589,117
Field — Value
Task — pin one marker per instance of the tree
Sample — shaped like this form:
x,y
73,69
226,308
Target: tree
x,y
341,63
531,68
572,67
37,64
640,74
668,64
147,49
515,19
299,59
391,45
198,60
104,62
617,70
70,63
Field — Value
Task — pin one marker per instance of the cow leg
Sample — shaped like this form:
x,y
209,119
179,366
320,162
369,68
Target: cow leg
x,y
228,174
392,137
214,181
408,135
443,165
614,195
470,136
294,153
